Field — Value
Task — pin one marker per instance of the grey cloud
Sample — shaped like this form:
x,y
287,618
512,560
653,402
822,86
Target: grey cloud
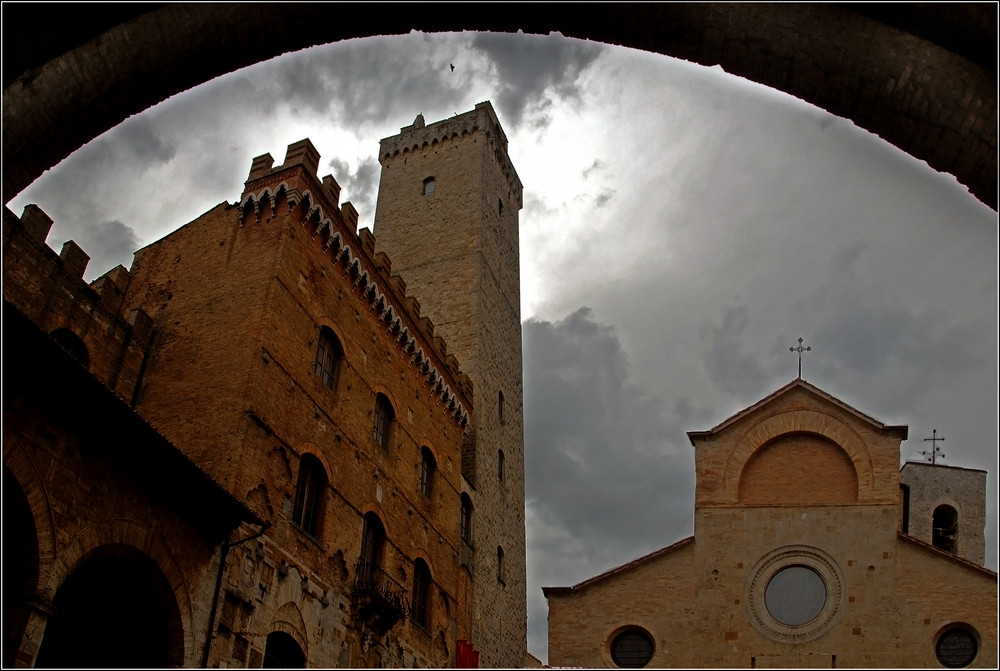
x,y
368,81
589,428
361,186
596,165
732,369
609,476
530,66
603,197
139,136
108,243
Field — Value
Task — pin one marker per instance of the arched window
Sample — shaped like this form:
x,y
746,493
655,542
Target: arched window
x,y
500,465
372,540
307,509
465,523
945,528
428,186
328,356
500,573
384,416
72,343
500,406
421,593
427,466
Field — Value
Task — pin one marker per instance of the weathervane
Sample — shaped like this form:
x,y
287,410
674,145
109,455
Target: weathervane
x,y
934,448
800,349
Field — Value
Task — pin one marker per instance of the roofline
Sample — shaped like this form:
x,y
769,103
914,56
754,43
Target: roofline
x,y
799,382
924,545
925,463
618,569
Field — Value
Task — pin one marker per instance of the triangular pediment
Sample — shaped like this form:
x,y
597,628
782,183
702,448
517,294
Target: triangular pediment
x,y
798,385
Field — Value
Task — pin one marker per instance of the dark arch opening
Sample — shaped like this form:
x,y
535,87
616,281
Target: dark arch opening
x,y
20,565
281,651
72,343
945,528
116,610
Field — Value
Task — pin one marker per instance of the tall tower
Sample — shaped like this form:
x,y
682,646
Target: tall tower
x,y
447,216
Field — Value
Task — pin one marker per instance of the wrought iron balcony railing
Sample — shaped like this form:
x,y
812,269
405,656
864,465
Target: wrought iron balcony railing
x,y
382,597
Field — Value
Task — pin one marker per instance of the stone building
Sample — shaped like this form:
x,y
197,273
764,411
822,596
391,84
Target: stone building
x,y
810,550
254,447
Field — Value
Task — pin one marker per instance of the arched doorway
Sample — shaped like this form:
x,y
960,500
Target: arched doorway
x,y
117,609
20,565
283,652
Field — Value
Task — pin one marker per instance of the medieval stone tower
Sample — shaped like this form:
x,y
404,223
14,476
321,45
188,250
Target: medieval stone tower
x,y
447,215
946,507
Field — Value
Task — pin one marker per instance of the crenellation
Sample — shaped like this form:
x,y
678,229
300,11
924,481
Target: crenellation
x,y
36,222
74,259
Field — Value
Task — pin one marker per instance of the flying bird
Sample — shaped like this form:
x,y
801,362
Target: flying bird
x,y
452,67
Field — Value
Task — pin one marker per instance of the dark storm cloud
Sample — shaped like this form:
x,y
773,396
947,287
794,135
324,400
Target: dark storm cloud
x,y
139,135
589,428
365,81
528,66
609,470
108,243
359,187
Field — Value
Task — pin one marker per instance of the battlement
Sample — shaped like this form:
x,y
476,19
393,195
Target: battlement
x,y
293,188
86,319
419,136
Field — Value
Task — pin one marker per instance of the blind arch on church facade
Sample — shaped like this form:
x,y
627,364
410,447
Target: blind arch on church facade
x,y
799,468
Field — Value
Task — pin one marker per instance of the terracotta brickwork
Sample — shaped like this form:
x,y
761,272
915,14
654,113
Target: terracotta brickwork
x,y
302,504
77,494
457,246
704,601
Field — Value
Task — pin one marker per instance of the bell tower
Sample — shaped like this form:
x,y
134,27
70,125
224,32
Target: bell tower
x,y
447,216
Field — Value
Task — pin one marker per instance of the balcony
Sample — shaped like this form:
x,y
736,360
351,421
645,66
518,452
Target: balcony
x,y
379,600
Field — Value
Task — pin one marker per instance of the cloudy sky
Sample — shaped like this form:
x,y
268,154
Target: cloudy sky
x,y
681,229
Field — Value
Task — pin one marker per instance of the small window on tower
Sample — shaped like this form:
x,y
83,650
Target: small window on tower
x,y
428,186
499,206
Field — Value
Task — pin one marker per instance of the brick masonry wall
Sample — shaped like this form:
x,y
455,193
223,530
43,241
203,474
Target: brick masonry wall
x,y
238,302
702,600
457,250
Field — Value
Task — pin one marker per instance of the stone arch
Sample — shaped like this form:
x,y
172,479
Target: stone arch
x,y
58,74
798,421
139,537
23,471
114,608
288,619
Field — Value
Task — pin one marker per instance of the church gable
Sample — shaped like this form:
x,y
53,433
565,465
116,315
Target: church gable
x,y
798,446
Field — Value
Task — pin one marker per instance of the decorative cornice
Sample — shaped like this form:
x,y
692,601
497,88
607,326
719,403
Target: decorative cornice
x,y
347,252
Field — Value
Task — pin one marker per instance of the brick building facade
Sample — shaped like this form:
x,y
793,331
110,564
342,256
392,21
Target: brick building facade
x,y
292,485
800,558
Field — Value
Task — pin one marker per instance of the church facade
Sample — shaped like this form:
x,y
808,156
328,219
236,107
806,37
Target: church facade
x,y
810,550
254,447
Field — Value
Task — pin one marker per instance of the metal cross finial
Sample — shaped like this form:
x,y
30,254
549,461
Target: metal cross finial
x,y
934,447
800,349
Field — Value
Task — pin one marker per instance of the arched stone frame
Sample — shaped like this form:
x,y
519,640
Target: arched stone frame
x,y
142,538
288,619
314,450
16,459
323,498
799,421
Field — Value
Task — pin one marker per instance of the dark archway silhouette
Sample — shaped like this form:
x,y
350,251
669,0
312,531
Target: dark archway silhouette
x,y
116,610
20,565
920,76
283,652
